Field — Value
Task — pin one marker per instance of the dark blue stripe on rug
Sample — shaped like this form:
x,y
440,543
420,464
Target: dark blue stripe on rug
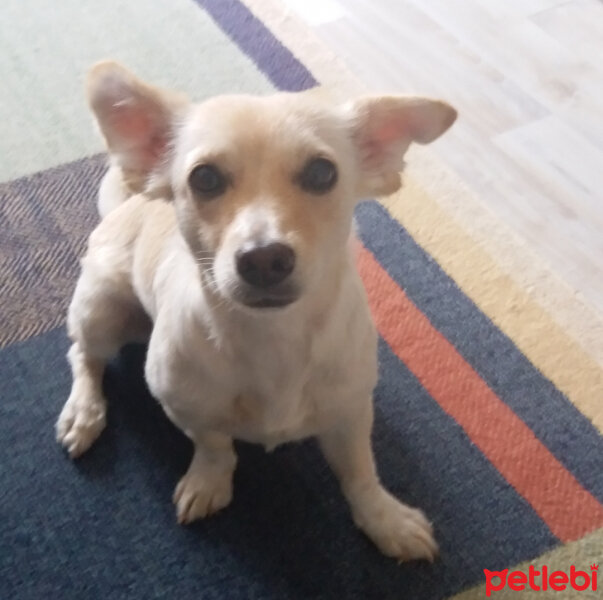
x,y
259,44
562,428
104,527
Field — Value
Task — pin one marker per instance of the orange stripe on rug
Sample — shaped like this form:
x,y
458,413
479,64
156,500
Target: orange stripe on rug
x,y
568,509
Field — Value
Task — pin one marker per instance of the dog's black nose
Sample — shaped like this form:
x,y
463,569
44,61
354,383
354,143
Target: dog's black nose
x,y
264,266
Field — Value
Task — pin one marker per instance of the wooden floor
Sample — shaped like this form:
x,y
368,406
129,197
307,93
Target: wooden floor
x,y
527,79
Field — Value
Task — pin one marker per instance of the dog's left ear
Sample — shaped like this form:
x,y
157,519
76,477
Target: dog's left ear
x,y
136,119
382,130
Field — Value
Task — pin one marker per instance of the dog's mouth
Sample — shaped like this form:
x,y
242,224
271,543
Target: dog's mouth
x,y
269,302
277,297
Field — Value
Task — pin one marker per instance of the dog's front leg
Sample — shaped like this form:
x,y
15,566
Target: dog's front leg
x,y
397,529
207,485
83,416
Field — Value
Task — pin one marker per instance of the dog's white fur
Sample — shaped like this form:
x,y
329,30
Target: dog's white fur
x,y
161,263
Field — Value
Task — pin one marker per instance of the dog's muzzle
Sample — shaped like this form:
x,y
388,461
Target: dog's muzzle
x,y
266,272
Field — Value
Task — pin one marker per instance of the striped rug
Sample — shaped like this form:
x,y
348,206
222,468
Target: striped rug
x,y
489,409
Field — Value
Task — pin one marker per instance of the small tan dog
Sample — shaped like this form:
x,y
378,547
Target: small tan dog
x,y
225,237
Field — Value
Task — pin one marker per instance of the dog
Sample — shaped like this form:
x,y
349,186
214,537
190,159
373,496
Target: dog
x,y
225,242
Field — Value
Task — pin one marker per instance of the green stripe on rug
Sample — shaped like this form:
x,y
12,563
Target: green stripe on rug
x,y
46,48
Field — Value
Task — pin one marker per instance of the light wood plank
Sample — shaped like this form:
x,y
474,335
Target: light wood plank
x,y
317,12
518,48
552,151
584,112
577,25
428,60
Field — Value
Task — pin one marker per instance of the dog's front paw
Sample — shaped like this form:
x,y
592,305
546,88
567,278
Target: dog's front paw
x,y
81,421
398,530
201,493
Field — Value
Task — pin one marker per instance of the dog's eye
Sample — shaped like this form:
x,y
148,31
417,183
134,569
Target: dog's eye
x,y
319,176
207,181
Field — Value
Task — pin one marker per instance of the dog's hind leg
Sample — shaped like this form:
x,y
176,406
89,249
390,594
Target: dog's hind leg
x,y
102,317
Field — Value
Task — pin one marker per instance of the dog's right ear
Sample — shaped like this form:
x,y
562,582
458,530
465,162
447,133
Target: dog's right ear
x,y
136,119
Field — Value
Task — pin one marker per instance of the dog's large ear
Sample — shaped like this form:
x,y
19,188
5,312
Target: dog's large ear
x,y
136,119
383,128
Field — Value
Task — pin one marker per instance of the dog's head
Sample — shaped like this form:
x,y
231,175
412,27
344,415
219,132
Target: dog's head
x,y
264,187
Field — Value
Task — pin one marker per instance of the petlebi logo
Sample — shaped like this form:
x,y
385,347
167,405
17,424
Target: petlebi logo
x,y
541,580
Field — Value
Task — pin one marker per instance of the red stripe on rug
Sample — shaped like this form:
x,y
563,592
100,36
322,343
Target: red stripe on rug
x,y
568,509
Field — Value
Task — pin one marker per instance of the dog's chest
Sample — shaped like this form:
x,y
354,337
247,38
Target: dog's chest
x,y
278,389
268,420
265,382
277,396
